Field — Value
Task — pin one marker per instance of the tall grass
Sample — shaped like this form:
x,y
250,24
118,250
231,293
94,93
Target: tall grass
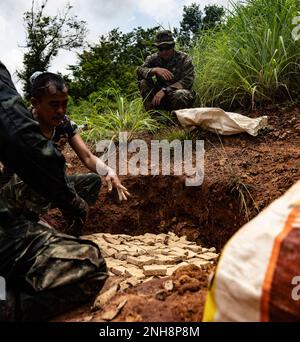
x,y
105,115
252,59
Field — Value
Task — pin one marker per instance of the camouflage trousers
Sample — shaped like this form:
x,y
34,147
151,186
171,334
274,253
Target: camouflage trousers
x,y
22,200
47,273
178,99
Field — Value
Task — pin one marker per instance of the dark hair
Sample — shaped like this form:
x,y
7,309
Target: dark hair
x,y
41,83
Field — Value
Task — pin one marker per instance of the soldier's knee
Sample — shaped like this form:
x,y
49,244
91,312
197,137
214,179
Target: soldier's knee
x,y
143,83
89,187
145,88
96,182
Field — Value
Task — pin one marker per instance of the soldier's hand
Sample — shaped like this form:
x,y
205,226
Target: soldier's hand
x,y
158,98
164,73
113,181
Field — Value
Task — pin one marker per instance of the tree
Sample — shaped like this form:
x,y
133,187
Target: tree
x,y
194,20
111,63
190,25
46,36
213,16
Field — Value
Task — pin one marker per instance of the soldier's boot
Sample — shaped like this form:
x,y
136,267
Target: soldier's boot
x,y
181,99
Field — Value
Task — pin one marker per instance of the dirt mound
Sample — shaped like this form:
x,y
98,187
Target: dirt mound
x,y
183,303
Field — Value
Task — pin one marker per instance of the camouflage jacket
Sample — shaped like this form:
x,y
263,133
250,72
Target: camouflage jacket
x,y
180,65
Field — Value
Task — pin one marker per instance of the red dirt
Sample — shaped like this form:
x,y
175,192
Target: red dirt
x,y
183,304
150,302
266,165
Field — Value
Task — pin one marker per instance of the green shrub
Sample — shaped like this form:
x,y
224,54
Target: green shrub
x,y
250,60
107,114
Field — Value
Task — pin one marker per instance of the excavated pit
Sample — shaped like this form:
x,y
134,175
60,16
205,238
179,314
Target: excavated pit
x,y
243,175
209,214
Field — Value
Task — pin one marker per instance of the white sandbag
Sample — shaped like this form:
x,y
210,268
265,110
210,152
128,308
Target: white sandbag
x,y
258,274
219,121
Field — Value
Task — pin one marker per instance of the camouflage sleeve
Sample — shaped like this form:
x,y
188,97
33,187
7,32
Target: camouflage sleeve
x,y
143,72
188,76
70,127
27,152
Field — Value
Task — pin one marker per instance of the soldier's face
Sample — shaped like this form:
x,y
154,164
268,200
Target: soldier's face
x,y
51,107
166,52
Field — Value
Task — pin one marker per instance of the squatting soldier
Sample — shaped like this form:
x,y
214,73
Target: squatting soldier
x,y
166,78
48,272
49,104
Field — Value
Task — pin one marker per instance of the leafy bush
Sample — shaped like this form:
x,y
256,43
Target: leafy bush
x,y
105,115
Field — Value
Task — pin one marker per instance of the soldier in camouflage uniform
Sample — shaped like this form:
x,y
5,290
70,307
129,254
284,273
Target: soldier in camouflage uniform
x,y
48,272
49,111
166,78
